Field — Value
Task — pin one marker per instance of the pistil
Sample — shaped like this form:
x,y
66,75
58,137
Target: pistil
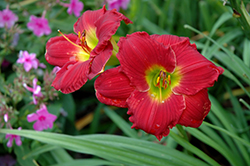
x,y
163,81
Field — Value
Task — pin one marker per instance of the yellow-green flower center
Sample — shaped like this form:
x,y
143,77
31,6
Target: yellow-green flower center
x,y
161,82
85,44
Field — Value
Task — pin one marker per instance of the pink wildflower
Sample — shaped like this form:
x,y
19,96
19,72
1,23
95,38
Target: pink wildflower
x,y
28,60
117,4
56,69
39,25
17,139
8,18
74,6
36,90
43,118
6,117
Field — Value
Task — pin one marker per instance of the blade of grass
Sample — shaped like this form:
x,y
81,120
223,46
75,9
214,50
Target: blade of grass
x,y
95,121
193,149
121,123
146,147
60,155
246,50
90,147
238,62
40,150
244,142
87,162
223,18
207,140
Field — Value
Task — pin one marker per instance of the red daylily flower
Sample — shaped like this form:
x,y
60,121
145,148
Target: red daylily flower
x,y
83,56
164,80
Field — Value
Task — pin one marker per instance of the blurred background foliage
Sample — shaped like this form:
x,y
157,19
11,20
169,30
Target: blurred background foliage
x,y
220,30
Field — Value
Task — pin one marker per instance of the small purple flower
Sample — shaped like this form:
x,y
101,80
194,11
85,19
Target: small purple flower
x,y
76,7
36,90
28,60
8,18
42,65
12,137
43,118
39,25
6,117
56,69
117,4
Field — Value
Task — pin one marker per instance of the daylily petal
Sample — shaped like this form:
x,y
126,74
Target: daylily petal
x,y
153,116
139,53
100,61
168,40
106,26
195,70
72,76
197,108
59,51
87,20
113,88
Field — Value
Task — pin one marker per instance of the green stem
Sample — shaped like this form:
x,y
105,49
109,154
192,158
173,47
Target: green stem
x,y
242,15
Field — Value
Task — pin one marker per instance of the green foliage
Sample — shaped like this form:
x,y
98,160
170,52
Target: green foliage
x,y
101,134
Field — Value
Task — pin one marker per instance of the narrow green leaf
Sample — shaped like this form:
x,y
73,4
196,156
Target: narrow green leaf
x,y
230,63
205,15
204,138
152,28
121,123
115,150
69,106
239,113
90,147
245,103
193,149
244,142
146,147
236,59
87,162
60,155
246,51
228,74
40,150
96,119
223,18
20,152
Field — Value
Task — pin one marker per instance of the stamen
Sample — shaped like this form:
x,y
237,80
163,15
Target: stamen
x,y
68,39
169,80
163,80
83,41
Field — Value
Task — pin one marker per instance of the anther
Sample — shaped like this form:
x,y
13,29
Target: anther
x,y
169,79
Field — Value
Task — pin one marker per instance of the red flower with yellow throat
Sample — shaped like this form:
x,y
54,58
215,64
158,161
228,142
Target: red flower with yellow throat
x,y
83,55
162,80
